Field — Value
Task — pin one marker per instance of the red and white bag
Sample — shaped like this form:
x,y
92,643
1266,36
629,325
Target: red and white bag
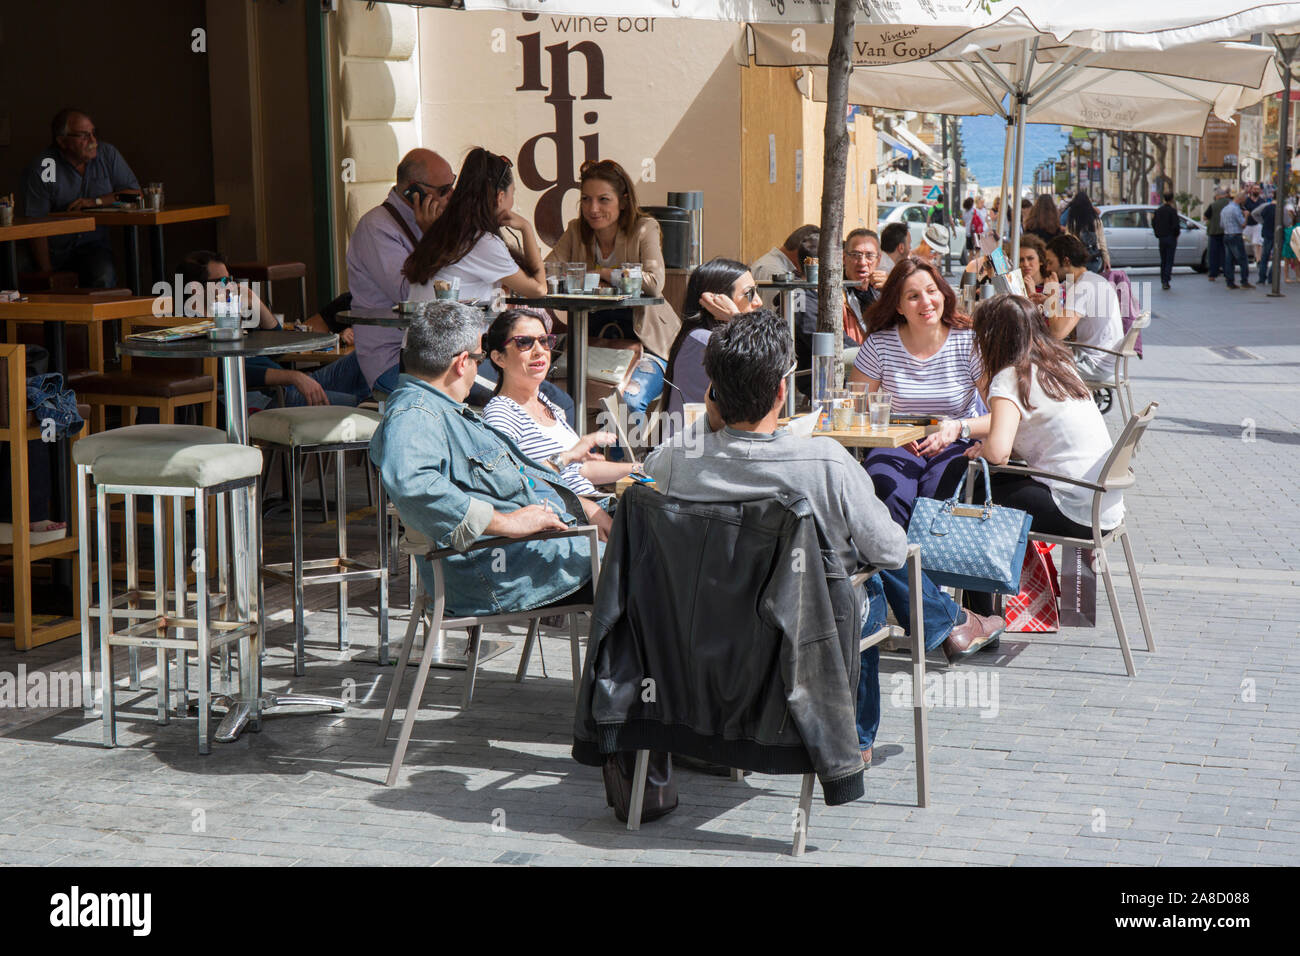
x,y
1035,609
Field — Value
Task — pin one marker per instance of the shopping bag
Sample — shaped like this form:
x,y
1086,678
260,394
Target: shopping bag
x,y
1078,588
1034,610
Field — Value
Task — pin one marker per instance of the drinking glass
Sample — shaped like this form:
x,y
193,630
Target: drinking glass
x,y
842,409
153,197
861,407
6,215
691,412
631,278
878,408
574,274
451,294
555,277
590,282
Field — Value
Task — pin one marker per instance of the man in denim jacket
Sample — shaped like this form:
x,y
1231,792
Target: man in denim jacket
x,y
453,478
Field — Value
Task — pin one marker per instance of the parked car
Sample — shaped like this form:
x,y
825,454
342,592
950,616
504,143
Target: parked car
x,y
1131,242
917,216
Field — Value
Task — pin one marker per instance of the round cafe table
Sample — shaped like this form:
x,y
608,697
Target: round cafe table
x,y
240,709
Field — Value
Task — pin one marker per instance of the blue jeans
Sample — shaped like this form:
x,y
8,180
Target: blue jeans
x,y
342,381
1235,247
890,588
645,385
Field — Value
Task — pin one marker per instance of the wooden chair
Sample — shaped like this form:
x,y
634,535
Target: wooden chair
x,y
17,428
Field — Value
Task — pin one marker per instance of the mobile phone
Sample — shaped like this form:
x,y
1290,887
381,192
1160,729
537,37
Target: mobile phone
x,y
643,479
414,193
1000,264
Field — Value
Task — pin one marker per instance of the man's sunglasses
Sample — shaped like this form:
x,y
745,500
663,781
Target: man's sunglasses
x,y
476,356
525,343
862,256
442,192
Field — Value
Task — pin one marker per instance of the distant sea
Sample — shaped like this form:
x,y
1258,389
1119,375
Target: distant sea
x,y
983,138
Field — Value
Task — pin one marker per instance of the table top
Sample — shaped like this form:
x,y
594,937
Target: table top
x,y
585,303
257,342
24,228
144,217
800,284
78,308
895,436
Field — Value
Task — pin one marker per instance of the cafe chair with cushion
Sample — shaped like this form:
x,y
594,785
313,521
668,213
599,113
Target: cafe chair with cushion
x,y
1118,384
17,428
267,274
1116,474
324,430
430,609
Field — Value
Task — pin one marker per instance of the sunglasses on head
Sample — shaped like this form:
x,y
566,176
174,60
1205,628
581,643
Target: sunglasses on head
x,y
525,342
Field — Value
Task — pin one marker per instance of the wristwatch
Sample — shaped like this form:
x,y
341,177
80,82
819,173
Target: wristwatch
x,y
965,429
556,462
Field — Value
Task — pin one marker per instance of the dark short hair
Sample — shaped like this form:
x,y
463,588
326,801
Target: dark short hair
x,y
746,360
862,234
1169,197
194,267
796,238
892,236
1069,249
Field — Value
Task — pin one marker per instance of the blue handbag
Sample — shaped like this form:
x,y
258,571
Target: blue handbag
x,y
972,547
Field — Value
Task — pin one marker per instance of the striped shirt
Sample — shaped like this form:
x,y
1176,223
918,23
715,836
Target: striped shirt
x,y
942,385
538,441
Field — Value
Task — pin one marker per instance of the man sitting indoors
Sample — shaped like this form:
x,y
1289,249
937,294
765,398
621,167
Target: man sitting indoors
x,y
1091,308
738,454
453,478
895,245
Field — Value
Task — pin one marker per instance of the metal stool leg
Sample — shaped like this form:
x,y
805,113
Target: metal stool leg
x,y
180,578
160,608
471,669
204,652
299,627
223,583
105,619
381,507
533,626
83,552
132,555
341,516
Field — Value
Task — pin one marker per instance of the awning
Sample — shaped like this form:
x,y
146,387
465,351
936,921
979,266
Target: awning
x,y
907,136
890,141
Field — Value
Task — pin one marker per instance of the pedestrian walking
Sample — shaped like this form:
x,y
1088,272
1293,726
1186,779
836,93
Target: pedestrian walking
x,y
1166,225
1265,216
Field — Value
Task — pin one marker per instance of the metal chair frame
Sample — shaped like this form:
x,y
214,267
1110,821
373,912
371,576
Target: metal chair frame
x,y
1120,385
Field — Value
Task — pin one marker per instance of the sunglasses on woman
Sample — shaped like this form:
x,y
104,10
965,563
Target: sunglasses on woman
x,y
524,343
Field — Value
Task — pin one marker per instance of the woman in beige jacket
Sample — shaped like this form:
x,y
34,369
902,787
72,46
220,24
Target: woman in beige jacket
x,y
612,230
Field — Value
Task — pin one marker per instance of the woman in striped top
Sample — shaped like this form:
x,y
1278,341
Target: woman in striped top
x,y
922,352
519,347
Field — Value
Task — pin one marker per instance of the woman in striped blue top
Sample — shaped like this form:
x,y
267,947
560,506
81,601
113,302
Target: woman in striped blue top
x,y
519,346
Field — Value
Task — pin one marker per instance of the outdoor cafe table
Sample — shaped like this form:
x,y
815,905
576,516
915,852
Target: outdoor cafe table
x,y
133,218
232,354
43,227
53,311
895,436
578,307
787,311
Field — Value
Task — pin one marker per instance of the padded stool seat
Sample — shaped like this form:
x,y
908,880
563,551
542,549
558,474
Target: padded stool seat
x,y
155,384
268,271
313,425
177,465
86,450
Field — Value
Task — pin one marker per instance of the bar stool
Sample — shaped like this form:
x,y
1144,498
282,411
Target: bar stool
x,y
226,473
128,603
320,430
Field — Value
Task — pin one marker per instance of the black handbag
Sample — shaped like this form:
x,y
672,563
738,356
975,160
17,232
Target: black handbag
x,y
660,788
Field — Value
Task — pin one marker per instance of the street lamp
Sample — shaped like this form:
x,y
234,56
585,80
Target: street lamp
x,y
1287,44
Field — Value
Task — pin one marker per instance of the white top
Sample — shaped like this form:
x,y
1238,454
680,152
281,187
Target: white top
x,y
942,385
1101,324
536,440
480,271
1068,438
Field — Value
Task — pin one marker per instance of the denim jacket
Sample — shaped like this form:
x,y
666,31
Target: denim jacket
x,y
447,472
47,399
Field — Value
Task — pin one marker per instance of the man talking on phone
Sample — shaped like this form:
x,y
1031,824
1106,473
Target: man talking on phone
x,y
384,237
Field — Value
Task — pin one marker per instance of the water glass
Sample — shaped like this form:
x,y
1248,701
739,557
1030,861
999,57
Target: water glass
x,y
575,273
878,409
153,197
861,407
841,409
6,215
451,293
811,269
555,277
590,282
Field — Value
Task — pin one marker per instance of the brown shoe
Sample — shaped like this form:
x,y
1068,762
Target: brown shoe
x,y
970,637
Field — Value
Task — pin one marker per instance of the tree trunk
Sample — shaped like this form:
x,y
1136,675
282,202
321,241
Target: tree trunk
x,y
830,249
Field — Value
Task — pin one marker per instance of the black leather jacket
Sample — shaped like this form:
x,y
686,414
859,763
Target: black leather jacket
x,y
727,632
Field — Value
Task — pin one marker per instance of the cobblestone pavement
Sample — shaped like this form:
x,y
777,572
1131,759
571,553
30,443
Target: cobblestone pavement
x,y
1193,761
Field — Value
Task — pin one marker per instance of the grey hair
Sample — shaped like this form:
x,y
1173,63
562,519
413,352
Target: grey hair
x,y
59,125
438,335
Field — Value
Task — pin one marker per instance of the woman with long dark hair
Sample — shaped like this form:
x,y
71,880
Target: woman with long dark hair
x,y
466,243
1044,219
612,230
519,347
1039,404
716,291
1084,223
920,349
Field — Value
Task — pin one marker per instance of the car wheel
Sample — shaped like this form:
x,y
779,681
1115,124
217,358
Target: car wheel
x,y
1104,399
1204,265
